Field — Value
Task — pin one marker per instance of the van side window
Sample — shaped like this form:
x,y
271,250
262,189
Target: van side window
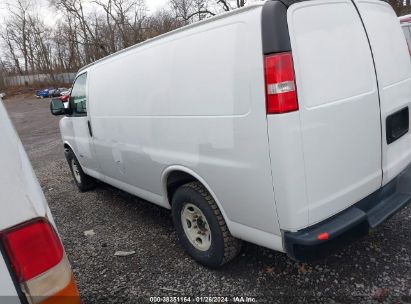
x,y
78,98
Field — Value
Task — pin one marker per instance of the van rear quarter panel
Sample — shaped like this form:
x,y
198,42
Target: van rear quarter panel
x,y
194,99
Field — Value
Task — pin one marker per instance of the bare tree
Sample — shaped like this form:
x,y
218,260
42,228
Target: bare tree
x,y
123,17
18,31
161,22
228,5
9,38
187,10
40,45
202,10
2,75
76,9
88,30
401,7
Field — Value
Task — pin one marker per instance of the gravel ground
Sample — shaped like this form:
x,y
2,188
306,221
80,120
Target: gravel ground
x,y
375,269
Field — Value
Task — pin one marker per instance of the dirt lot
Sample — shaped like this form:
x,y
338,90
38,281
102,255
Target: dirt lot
x,y
375,269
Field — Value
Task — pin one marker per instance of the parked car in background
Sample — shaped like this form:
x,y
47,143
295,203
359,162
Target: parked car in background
x,y
65,95
54,93
405,18
65,92
33,264
45,93
284,124
58,92
50,92
64,98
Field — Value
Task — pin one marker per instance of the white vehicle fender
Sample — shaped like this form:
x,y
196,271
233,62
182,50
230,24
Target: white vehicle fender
x,y
66,143
174,168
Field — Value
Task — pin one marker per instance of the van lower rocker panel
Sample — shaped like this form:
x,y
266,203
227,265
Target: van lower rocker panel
x,y
352,223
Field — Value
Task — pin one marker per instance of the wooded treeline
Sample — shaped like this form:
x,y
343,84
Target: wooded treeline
x,y
401,7
87,30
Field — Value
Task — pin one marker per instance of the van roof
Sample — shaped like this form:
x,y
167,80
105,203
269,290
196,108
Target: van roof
x,y
182,29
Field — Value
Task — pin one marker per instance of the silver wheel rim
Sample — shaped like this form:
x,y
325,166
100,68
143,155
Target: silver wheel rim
x,y
196,227
76,170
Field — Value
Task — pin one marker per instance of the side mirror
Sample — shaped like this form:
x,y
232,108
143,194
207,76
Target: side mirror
x,y
57,107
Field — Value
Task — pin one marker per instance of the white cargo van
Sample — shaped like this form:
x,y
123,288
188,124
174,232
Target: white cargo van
x,y
284,124
33,265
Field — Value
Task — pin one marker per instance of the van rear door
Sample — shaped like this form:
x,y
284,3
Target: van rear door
x,y
339,105
392,63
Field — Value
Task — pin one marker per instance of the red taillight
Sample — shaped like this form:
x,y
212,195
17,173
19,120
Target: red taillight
x,y
280,84
32,248
37,257
323,236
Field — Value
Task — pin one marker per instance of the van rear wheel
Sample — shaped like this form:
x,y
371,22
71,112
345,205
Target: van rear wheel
x,y
201,228
83,181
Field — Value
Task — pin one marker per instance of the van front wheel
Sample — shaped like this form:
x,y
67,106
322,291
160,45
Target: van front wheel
x,y
83,181
201,228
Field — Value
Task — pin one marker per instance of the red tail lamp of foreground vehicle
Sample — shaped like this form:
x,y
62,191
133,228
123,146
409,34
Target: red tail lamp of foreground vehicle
x,y
39,263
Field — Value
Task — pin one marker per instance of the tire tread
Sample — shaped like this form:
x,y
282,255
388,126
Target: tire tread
x,y
87,182
232,246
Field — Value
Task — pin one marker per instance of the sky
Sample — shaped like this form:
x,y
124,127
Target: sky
x,y
154,5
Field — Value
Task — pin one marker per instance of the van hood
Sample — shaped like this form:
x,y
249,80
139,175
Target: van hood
x,y
21,196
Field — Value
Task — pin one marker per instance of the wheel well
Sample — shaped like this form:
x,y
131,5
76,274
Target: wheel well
x,y
176,179
66,146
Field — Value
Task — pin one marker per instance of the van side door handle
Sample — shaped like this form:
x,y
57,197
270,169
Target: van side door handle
x,y
89,128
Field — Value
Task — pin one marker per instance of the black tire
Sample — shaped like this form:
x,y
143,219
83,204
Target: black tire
x,y
85,182
224,247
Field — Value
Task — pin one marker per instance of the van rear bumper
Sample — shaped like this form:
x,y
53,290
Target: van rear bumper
x,y
351,223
